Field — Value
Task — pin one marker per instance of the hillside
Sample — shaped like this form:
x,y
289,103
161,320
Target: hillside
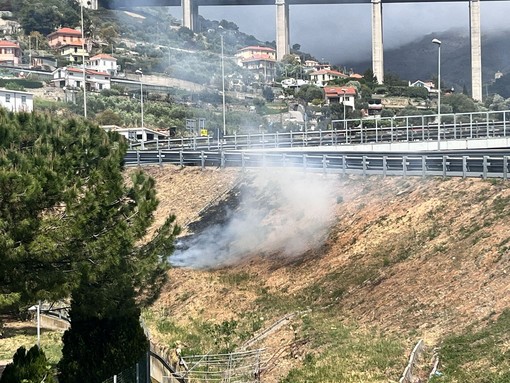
x,y
391,260
455,59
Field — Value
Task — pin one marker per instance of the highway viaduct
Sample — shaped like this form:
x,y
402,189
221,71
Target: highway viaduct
x,y
190,17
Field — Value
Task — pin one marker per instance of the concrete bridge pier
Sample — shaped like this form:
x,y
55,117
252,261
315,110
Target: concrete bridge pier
x,y
282,29
190,14
476,49
377,41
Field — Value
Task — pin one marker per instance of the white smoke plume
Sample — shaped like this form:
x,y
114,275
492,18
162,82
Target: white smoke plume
x,y
279,213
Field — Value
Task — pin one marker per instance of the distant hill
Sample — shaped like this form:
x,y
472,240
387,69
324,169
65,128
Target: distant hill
x,y
418,60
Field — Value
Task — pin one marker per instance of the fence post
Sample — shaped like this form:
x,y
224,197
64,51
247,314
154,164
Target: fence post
x,y
148,368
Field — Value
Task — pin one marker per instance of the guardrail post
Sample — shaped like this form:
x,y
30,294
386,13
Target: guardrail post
x,y
404,166
305,162
324,162
138,157
470,125
454,126
444,166
284,159
202,159
504,124
364,162
243,164
222,159
160,158
181,158
344,166
484,167
384,165
464,166
320,137
277,143
391,130
505,167
423,166
291,139
487,125
263,141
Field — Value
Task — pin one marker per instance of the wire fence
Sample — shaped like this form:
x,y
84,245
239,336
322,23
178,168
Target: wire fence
x,y
137,373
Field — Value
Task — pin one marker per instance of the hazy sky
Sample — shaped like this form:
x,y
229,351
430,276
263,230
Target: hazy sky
x,y
341,33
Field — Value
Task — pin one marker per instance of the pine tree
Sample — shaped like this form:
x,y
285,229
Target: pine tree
x,y
66,212
105,336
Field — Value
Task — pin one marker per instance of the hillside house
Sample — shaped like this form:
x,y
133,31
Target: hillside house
x,y
64,36
429,85
16,100
259,60
72,78
103,63
324,76
341,95
73,52
10,52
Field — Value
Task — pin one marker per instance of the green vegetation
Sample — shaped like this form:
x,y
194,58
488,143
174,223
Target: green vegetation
x,y
348,354
480,354
71,225
31,366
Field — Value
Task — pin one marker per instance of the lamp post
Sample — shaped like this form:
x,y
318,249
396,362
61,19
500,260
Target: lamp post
x,y
83,63
223,86
343,102
139,71
438,43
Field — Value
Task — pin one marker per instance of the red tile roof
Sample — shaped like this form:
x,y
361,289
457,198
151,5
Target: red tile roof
x,y
337,91
103,56
66,31
328,71
8,44
257,48
88,71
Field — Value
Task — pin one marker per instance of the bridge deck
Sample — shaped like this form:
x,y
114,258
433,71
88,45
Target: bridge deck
x,y
115,4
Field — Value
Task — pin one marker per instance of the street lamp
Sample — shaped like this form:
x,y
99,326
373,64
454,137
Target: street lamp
x,y
343,102
83,63
438,43
139,71
223,86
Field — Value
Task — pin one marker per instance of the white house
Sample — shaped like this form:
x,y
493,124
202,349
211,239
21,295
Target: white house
x,y
323,76
103,63
340,94
137,134
72,77
16,101
429,85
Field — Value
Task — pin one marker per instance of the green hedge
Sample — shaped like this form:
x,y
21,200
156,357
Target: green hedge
x,y
28,84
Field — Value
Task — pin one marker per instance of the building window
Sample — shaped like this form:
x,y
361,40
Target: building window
x,y
7,98
23,99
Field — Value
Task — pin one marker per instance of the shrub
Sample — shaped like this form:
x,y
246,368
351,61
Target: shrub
x,y
31,366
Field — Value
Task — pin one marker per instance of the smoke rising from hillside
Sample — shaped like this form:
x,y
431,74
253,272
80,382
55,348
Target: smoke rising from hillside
x,y
284,213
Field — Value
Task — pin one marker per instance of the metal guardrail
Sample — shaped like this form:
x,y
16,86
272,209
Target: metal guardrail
x,y
356,131
487,164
